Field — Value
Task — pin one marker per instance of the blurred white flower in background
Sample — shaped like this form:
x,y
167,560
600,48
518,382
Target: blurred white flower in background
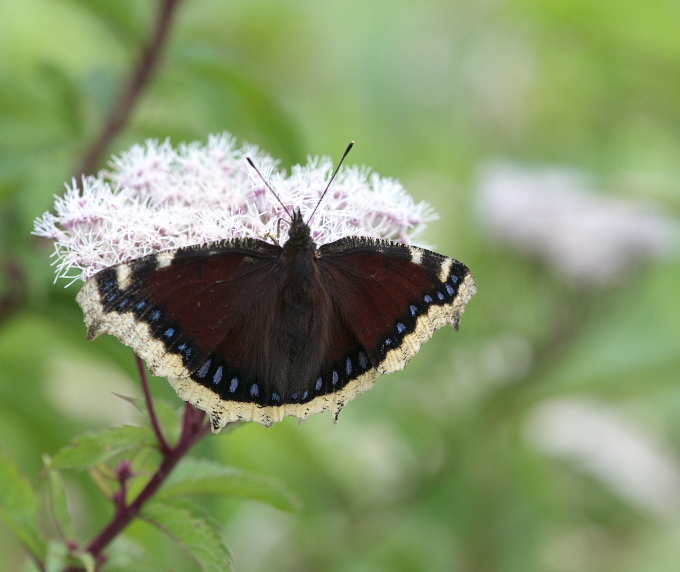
x,y
157,197
556,215
601,440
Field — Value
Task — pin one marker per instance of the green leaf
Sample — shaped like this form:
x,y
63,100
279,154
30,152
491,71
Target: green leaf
x,y
194,476
59,503
200,535
99,446
59,558
169,415
19,507
86,561
125,554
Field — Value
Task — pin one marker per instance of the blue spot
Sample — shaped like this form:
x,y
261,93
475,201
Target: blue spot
x,y
156,315
204,369
427,299
141,305
383,348
294,396
111,297
319,383
363,360
454,279
413,309
233,385
348,366
218,376
400,327
275,397
450,289
254,390
108,285
182,347
169,332
305,394
335,377
440,295
124,302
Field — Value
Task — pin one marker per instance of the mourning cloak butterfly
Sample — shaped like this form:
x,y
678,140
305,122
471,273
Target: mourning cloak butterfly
x,y
248,330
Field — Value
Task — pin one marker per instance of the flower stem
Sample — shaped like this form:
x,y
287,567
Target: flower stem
x,y
162,442
122,110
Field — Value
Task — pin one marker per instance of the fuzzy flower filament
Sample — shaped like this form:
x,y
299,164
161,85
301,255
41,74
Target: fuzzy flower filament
x,y
158,197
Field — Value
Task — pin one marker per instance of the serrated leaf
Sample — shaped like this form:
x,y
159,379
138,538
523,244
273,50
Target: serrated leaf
x,y
19,507
59,503
99,446
200,476
200,535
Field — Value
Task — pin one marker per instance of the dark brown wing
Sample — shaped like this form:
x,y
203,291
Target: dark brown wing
x,y
200,316
392,297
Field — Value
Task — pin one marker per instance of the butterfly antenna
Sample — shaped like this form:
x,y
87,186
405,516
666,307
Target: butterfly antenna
x,y
349,148
285,208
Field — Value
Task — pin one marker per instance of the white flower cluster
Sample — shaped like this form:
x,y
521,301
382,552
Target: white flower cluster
x,y
605,442
555,215
157,197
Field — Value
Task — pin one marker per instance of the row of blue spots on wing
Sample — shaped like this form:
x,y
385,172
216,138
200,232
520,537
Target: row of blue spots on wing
x,y
333,379
169,334
231,385
443,293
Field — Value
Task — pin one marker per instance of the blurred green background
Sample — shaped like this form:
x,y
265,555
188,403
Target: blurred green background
x,y
459,462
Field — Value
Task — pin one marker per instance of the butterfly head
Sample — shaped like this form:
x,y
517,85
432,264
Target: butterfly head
x,y
299,235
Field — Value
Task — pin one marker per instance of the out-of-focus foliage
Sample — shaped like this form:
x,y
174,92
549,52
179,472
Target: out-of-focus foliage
x,y
544,435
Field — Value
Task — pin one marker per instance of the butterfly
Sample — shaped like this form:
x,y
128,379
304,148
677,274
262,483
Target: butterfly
x,y
251,330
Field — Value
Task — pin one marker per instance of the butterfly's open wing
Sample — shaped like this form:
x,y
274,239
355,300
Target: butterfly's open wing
x,y
198,316
388,300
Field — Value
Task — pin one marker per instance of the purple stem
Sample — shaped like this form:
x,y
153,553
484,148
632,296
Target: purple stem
x,y
162,443
120,114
